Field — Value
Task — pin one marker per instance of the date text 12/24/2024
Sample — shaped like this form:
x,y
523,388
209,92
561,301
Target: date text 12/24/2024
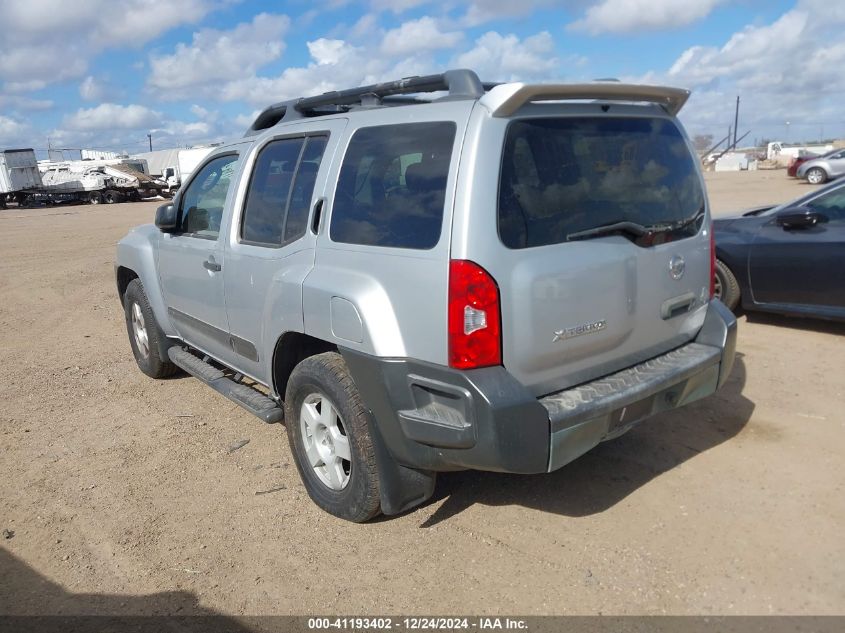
x,y
416,624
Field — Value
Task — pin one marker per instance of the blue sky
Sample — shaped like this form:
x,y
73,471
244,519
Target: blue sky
x,y
104,73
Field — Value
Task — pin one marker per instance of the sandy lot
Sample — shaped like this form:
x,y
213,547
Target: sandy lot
x,y
122,497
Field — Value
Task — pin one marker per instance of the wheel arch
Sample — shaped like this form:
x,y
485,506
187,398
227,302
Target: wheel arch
x,y
291,349
124,277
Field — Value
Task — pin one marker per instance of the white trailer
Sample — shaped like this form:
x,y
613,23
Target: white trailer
x,y
26,181
18,171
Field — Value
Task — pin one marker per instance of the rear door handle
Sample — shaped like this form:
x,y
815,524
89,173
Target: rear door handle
x,y
211,265
318,216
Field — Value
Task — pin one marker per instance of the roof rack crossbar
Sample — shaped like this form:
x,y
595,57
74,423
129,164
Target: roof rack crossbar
x,y
459,83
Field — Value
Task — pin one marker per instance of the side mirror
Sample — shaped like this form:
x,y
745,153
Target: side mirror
x,y
799,218
166,219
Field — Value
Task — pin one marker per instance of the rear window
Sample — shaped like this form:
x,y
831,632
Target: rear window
x,y
561,176
392,186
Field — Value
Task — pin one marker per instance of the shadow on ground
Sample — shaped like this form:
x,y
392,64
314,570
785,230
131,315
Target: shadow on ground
x,y
613,470
31,602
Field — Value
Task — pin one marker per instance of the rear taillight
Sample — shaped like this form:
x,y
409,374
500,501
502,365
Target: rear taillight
x,y
712,263
474,317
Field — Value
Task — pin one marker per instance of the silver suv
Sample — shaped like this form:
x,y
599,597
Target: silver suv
x,y
496,277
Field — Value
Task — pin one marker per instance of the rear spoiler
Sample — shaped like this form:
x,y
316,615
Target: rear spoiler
x,y
505,99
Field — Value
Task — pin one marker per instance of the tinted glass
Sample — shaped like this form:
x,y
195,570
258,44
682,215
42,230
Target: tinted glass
x,y
831,204
392,186
303,188
565,175
269,187
203,200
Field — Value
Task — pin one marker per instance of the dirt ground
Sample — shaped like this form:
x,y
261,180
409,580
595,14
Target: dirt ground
x,y
118,493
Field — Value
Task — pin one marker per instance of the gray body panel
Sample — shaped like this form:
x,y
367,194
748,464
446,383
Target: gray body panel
x,y
548,288
264,284
400,294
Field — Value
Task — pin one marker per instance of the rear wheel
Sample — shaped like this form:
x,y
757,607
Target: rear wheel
x,y
726,287
94,197
816,176
111,197
144,333
329,434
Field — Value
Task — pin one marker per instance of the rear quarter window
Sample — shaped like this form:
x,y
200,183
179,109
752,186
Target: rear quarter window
x,y
392,186
560,176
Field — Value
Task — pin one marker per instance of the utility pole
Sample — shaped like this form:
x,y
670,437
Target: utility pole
x,y
736,119
150,137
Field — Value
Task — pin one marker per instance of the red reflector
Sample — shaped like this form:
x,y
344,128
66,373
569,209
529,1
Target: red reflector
x,y
474,317
712,263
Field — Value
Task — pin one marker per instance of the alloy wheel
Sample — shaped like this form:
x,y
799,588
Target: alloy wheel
x,y
139,330
325,441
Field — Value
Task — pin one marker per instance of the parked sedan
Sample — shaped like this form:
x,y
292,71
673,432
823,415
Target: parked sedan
x,y
823,168
788,259
795,163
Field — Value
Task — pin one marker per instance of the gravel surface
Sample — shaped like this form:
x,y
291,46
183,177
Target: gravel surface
x,y
120,493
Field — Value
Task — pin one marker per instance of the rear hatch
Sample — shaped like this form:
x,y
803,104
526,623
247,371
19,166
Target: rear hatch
x,y
603,250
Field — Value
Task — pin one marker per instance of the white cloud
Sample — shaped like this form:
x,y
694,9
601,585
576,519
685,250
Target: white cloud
x,y
12,132
626,16
397,6
481,11
110,116
786,70
418,35
22,103
53,40
325,51
334,65
506,57
216,56
91,90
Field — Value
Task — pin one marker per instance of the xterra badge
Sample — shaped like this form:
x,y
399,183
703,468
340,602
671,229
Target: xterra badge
x,y
579,330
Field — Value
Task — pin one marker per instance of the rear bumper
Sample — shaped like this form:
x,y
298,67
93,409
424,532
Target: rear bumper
x,y
435,418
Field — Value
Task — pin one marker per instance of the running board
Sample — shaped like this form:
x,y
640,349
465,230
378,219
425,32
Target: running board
x,y
250,399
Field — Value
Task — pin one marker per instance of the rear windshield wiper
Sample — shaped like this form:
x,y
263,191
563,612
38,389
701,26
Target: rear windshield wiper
x,y
674,226
635,229
631,228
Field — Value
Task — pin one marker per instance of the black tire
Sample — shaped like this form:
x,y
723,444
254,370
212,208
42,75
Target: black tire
x,y
816,176
151,362
727,287
94,197
111,197
325,375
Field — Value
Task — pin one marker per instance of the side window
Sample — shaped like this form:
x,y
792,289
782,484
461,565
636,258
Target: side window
x,y
280,190
392,185
296,220
203,200
831,204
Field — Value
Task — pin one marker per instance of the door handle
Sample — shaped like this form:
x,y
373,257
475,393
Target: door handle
x,y
318,216
211,265
677,305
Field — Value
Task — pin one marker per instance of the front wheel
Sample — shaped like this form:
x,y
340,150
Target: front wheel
x,y
329,433
726,286
816,176
144,333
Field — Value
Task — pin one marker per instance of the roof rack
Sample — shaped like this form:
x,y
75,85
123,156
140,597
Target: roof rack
x,y
500,100
460,84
